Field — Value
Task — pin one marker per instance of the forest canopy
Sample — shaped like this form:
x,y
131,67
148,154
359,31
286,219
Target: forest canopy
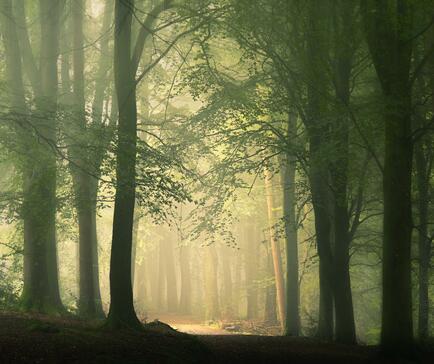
x,y
261,165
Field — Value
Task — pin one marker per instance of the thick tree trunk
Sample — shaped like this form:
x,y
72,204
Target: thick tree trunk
x,y
121,313
89,303
320,196
344,313
424,242
317,129
391,52
423,173
41,284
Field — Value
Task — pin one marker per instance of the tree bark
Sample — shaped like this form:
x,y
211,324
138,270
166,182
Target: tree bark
x,y
122,313
423,161
275,249
387,28
317,130
41,281
270,313
251,266
344,313
292,320
185,297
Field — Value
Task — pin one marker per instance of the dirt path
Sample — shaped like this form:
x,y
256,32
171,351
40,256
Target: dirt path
x,y
187,324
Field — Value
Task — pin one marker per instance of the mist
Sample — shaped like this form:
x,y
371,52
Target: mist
x,y
232,172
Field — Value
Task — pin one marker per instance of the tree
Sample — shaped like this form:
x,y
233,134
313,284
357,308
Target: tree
x,y
41,286
388,29
121,313
89,303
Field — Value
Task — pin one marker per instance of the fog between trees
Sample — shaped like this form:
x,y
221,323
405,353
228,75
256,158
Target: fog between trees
x,y
260,164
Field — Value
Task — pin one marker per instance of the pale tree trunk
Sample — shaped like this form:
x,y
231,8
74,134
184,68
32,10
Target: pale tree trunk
x,y
251,266
227,290
171,288
211,283
185,298
275,249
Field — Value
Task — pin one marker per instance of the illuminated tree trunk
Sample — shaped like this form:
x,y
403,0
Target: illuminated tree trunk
x,y
251,266
185,298
275,249
227,294
171,288
211,284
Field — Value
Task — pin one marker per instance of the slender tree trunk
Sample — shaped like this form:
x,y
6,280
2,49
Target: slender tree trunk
x,y
270,314
227,295
251,266
121,313
211,284
292,320
237,284
136,224
171,288
275,249
162,280
185,298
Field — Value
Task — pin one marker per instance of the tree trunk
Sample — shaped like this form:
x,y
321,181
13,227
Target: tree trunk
x,y
344,313
136,223
292,320
317,130
161,286
185,298
251,266
121,313
391,52
211,284
227,295
171,288
270,314
275,249
41,282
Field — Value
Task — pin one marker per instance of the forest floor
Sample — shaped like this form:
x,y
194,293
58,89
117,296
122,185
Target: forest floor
x,y
26,338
